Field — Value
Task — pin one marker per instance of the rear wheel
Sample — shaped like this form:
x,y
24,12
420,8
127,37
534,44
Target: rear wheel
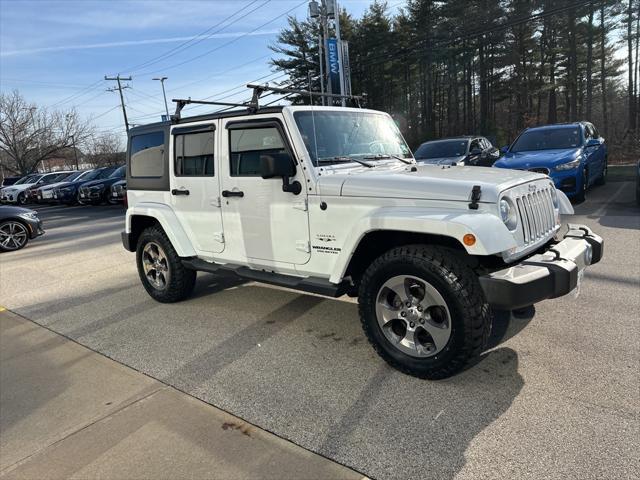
x,y
423,311
13,236
160,268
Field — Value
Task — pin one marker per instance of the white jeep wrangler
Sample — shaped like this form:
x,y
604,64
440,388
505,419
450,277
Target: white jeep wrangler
x,y
330,200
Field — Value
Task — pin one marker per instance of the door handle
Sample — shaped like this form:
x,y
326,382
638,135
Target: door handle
x,y
179,192
229,193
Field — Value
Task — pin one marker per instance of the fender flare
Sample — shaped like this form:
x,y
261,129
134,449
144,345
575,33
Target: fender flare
x,y
169,223
492,235
564,204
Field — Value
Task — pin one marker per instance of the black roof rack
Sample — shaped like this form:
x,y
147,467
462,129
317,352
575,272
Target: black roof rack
x,y
254,104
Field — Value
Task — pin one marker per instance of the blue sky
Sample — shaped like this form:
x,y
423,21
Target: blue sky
x,y
56,52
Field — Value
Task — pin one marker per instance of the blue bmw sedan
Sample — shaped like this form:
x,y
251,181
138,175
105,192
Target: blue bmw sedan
x,y
574,155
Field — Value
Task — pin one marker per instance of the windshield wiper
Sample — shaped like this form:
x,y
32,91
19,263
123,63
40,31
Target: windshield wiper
x,y
381,156
343,159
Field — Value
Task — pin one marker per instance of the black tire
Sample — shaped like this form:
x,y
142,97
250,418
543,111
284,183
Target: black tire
x,y
581,196
181,280
22,199
602,179
470,323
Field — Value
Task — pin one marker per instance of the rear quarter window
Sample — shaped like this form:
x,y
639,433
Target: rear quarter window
x,y
146,156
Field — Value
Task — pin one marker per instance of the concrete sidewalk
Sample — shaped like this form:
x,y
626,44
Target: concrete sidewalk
x,y
68,412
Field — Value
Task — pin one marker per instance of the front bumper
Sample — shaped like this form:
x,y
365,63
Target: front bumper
x,y
569,181
550,274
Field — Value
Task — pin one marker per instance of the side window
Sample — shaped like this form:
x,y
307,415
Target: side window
x,y
193,154
146,155
246,146
475,143
596,134
588,132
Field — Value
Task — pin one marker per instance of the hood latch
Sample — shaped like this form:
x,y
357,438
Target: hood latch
x,y
476,193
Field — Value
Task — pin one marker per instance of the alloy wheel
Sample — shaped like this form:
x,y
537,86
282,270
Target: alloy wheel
x,y
13,235
413,316
155,265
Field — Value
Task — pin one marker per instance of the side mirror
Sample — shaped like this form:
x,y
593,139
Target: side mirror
x,y
476,151
504,149
593,142
275,165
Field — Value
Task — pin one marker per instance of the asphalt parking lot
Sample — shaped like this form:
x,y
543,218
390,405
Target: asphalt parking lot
x,y
558,395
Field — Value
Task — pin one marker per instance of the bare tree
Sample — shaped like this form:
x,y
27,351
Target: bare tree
x,y
30,134
106,149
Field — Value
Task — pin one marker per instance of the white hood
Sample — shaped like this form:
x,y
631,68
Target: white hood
x,y
17,188
427,182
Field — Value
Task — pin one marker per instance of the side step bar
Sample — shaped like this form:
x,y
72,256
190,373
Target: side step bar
x,y
319,286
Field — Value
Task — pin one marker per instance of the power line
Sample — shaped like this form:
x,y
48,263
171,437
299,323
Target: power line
x,y
208,33
229,42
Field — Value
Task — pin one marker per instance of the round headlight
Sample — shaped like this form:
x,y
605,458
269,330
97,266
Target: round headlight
x,y
508,214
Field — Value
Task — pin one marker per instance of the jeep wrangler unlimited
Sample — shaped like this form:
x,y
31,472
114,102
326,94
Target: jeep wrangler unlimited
x,y
329,200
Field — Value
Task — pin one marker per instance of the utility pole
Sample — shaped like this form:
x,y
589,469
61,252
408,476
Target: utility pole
x,y
120,87
162,79
75,151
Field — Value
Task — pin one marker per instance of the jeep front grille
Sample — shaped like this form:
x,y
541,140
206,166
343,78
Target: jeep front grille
x,y
536,214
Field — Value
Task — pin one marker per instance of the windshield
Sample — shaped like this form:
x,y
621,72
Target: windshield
x,y
448,148
54,178
331,134
547,139
92,175
71,177
119,173
83,175
105,173
23,180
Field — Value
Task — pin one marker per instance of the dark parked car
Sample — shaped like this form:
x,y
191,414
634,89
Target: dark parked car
x,y
6,181
97,191
31,194
17,226
466,150
574,155
118,192
68,192
45,193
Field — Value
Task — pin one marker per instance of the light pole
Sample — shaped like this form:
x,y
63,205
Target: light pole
x,y
166,108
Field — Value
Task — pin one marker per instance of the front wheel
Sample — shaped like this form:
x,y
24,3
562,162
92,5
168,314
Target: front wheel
x,y
160,269
22,199
13,236
423,311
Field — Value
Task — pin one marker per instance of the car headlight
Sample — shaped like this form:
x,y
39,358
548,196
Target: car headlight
x,y
508,214
569,165
29,215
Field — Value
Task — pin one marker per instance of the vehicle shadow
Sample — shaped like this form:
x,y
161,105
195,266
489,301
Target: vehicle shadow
x,y
444,418
612,205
